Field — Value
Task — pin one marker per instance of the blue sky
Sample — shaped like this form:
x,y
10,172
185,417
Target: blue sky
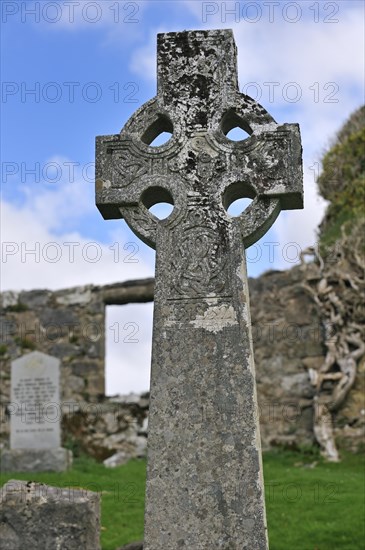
x,y
90,66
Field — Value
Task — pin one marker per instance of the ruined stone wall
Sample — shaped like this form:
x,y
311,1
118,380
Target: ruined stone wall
x,y
70,324
287,339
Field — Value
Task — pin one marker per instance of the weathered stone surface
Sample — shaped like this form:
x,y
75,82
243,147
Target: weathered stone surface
x,y
33,460
67,351
35,298
35,417
117,459
141,290
58,318
108,428
35,402
204,478
81,296
282,344
83,368
9,298
350,420
285,409
36,516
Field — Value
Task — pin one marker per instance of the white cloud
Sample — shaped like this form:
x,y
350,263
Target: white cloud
x,y
45,222
128,348
313,52
143,59
300,226
63,193
35,257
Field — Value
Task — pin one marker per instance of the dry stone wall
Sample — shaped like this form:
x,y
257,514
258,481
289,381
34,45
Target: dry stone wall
x,y
287,338
70,324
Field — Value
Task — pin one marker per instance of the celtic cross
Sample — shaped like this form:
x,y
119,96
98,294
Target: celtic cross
x,y
204,475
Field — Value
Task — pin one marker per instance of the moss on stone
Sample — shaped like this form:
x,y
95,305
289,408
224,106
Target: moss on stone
x,y
342,181
25,343
3,349
18,307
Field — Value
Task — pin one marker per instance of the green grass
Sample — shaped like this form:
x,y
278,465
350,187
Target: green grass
x,y
320,508
308,508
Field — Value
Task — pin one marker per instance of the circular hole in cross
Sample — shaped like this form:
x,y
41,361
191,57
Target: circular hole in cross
x,y
158,201
159,132
161,139
234,127
238,206
237,134
237,197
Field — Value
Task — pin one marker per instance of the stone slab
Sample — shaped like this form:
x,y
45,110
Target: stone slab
x,y
34,516
36,460
35,412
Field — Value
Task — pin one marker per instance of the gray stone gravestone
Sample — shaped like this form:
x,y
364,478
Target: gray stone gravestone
x,y
34,516
35,416
204,478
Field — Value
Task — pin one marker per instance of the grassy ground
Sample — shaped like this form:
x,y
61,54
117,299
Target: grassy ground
x,y
311,505
314,508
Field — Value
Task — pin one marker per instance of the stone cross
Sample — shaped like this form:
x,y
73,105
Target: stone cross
x,y
204,477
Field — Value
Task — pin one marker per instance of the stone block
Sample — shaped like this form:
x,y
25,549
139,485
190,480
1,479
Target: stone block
x,y
35,415
36,460
84,368
35,516
35,298
117,459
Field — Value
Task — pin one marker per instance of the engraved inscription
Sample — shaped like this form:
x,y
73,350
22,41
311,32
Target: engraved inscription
x,y
35,421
